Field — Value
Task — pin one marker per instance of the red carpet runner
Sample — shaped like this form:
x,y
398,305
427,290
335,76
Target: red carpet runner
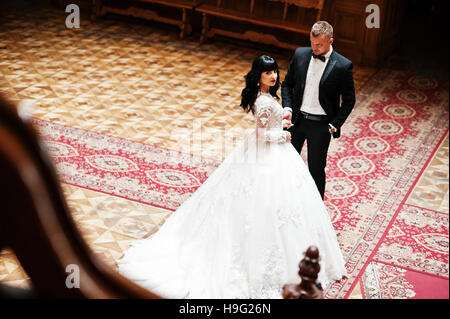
x,y
124,168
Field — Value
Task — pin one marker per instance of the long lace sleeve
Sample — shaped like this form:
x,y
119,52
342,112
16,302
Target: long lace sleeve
x,y
264,131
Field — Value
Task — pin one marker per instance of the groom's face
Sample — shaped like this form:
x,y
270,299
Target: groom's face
x,y
320,44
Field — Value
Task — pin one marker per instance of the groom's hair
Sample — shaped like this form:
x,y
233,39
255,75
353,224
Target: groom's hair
x,y
322,27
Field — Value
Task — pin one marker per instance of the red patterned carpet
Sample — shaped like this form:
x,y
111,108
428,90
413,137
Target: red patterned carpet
x,y
144,173
397,125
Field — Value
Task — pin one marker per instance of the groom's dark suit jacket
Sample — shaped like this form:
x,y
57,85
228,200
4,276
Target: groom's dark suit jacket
x,y
336,82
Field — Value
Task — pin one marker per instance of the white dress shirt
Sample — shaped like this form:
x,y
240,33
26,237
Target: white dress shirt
x,y
310,102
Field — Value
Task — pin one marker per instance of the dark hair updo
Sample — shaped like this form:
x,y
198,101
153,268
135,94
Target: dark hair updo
x,y
249,94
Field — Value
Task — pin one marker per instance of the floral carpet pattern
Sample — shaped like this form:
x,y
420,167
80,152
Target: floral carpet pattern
x,y
398,124
115,166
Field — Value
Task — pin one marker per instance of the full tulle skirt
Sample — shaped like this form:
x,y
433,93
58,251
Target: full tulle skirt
x,y
242,233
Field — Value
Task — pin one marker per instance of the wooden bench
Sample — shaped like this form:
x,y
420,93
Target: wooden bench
x,y
100,8
288,15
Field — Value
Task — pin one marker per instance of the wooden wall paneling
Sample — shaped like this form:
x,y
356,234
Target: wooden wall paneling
x,y
391,25
265,20
380,43
347,17
270,10
370,53
85,5
357,42
282,23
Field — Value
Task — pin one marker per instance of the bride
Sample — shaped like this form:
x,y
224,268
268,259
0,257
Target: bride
x,y
244,231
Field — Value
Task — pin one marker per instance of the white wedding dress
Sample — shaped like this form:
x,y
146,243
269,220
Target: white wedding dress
x,y
243,233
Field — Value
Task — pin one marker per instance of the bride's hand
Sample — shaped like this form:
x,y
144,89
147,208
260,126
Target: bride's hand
x,y
288,137
286,123
287,115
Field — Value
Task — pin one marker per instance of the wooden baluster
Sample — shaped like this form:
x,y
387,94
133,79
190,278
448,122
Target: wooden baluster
x,y
205,28
186,27
308,288
285,10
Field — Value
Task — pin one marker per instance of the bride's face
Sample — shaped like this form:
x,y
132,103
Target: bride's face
x,y
268,78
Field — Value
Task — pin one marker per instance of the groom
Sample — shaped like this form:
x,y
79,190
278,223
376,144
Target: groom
x,y
318,95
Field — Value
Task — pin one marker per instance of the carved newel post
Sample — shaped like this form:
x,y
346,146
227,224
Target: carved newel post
x,y
308,288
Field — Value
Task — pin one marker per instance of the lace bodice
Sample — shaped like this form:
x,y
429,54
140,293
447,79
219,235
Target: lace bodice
x,y
269,119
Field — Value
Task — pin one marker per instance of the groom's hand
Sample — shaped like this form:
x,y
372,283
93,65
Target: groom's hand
x,y
286,123
332,129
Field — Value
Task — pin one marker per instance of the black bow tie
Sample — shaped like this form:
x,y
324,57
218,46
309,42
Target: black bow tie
x,y
320,57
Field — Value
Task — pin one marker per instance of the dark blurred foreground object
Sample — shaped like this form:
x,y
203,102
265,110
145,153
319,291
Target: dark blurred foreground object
x,y
308,288
37,224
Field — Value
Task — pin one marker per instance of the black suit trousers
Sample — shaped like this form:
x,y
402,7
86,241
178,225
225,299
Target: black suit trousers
x,y
318,138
